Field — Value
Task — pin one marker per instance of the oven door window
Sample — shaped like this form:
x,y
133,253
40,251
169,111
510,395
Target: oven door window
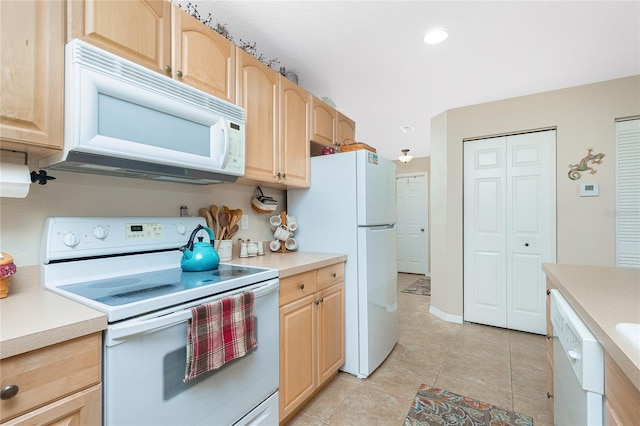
x,y
143,376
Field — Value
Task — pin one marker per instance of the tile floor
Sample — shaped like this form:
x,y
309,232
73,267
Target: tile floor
x,y
498,366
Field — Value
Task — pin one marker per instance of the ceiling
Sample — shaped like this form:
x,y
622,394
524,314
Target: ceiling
x,y
369,58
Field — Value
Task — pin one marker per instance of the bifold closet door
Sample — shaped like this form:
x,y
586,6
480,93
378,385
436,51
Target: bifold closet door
x,y
509,229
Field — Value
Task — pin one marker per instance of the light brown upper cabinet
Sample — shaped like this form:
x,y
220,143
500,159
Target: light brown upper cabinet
x,y
345,129
159,36
257,93
203,58
323,122
32,75
277,129
294,134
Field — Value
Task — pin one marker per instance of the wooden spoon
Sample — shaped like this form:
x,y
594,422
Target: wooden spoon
x,y
232,231
223,220
207,217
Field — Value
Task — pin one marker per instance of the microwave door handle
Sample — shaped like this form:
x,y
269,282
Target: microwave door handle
x,y
225,143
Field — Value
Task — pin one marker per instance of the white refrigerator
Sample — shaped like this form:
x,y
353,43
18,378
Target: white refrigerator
x,y
350,208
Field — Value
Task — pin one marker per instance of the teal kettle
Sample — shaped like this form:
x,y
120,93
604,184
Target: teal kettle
x,y
199,256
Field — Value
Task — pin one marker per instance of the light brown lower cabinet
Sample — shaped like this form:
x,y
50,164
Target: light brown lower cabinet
x,y
311,334
622,398
58,384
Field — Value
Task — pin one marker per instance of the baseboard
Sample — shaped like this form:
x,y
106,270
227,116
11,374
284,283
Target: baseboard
x,y
445,316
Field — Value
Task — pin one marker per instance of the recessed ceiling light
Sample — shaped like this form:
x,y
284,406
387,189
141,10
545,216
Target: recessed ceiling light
x,y
407,128
437,35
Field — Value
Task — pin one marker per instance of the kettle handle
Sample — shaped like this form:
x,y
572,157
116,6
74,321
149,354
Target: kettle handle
x,y
189,245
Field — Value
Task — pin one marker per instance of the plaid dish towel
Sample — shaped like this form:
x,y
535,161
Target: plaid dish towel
x,y
219,332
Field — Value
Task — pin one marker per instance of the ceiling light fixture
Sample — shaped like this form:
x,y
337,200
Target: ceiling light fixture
x,y
407,128
437,35
405,157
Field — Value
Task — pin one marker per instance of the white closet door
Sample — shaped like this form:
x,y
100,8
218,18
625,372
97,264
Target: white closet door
x,y
485,241
411,225
628,193
509,229
531,230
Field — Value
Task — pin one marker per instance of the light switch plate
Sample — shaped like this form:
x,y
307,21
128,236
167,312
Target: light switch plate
x,y
589,190
244,223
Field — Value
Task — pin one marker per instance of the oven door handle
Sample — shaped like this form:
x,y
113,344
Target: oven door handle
x,y
117,333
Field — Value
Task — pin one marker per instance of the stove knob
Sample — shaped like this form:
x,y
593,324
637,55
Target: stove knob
x,y
71,239
181,229
100,232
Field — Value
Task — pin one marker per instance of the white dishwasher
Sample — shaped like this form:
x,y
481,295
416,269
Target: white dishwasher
x,y
578,368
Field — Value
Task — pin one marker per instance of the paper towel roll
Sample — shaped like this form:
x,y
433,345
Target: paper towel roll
x,y
15,180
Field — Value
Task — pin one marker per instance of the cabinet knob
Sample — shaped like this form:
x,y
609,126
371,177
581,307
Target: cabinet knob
x,y
301,286
284,175
548,292
549,396
322,300
334,275
317,302
9,392
526,244
279,174
179,73
167,69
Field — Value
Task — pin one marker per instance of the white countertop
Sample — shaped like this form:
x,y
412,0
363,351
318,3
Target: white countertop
x,y
604,297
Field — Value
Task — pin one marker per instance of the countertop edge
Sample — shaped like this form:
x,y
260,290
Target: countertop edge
x,y
612,345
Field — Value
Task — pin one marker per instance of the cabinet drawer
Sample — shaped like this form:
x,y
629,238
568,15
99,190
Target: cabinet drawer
x,y
297,286
330,275
50,373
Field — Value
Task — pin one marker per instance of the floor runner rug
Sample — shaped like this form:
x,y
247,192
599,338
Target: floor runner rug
x,y
434,406
421,286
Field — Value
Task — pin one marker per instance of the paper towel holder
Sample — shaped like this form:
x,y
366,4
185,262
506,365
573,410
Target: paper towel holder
x,y
40,176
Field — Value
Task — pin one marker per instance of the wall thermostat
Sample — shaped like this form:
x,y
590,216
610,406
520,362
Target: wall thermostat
x,y
589,190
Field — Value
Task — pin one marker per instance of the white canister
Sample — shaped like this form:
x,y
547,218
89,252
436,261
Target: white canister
x,y
243,250
252,249
225,249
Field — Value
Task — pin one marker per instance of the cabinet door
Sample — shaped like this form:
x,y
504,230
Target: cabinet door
x,y
82,408
294,134
346,129
330,331
257,93
202,58
323,121
138,30
297,353
32,74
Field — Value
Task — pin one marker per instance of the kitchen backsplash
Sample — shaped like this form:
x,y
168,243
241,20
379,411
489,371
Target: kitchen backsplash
x,y
76,194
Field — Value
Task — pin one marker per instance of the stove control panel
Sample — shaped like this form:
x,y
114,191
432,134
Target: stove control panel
x,y
79,237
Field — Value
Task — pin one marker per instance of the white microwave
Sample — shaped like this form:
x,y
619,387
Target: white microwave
x,y
125,120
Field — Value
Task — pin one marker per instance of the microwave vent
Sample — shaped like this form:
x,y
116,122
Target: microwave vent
x,y
111,65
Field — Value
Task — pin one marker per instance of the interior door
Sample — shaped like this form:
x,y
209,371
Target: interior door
x,y
509,229
412,220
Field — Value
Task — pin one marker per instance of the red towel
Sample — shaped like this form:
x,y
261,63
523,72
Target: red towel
x,y
219,332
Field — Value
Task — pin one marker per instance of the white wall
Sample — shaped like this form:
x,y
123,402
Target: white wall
x,y
76,194
585,118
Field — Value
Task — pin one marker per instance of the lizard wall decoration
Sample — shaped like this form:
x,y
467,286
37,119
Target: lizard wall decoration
x,y
583,165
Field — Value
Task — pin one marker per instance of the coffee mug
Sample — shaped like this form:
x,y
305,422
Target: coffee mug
x,y
291,244
282,233
275,221
292,224
275,245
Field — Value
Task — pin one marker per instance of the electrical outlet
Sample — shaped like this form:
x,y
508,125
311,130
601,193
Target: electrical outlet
x,y
244,223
